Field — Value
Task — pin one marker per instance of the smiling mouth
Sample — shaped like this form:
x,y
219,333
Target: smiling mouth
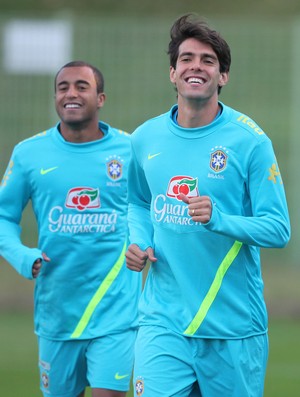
x,y
195,80
72,106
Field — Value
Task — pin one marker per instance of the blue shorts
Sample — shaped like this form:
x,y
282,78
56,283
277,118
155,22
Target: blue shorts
x,y
168,364
67,367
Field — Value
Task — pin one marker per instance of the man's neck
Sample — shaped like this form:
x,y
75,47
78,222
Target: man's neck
x,y
193,115
80,134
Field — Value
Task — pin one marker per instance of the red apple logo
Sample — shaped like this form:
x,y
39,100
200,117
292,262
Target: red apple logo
x,y
83,198
182,184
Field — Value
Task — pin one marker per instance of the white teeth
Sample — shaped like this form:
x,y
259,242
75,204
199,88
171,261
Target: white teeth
x,y
72,106
195,80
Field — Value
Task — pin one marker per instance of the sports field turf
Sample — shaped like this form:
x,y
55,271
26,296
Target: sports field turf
x,y
19,374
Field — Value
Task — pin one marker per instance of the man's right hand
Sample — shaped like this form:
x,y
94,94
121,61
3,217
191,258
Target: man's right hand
x,y
136,259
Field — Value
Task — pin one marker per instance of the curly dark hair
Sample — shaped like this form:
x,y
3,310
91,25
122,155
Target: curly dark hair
x,y
189,26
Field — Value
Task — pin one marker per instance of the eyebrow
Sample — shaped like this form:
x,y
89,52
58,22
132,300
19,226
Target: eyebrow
x,y
185,54
205,55
76,82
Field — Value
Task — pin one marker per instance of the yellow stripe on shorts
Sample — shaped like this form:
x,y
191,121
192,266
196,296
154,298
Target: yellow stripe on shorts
x,y
101,291
214,289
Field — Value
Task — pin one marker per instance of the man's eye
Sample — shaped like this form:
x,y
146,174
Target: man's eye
x,y
209,61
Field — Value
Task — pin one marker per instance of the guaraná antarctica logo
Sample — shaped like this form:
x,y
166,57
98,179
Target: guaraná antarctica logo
x,y
84,201
175,211
182,184
83,198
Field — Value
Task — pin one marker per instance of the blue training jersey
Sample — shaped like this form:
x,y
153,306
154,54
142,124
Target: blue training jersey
x,y
79,198
207,280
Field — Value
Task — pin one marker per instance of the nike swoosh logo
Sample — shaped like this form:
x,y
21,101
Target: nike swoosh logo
x,y
118,377
151,156
44,172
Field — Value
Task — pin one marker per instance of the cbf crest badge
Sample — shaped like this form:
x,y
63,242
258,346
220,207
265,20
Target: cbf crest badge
x,y
139,386
45,380
218,159
114,167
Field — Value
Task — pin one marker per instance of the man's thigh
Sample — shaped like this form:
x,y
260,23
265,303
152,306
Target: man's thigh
x,y
110,361
67,367
232,368
168,364
163,364
62,367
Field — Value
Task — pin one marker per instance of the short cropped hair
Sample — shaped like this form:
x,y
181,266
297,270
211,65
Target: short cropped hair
x,y
98,75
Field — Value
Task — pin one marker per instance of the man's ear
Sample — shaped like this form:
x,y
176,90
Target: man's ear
x,y
101,99
172,75
224,78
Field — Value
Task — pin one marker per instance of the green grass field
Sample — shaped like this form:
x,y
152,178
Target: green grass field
x,y
19,373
